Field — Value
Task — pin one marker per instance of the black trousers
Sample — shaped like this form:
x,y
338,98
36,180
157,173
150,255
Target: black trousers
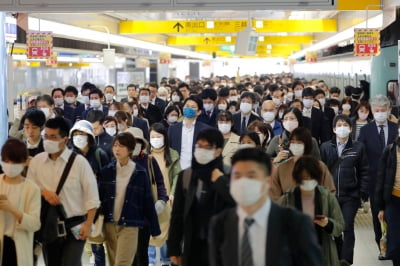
x,y
375,220
142,256
9,252
66,251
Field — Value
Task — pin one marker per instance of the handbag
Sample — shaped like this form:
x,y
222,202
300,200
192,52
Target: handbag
x,y
53,217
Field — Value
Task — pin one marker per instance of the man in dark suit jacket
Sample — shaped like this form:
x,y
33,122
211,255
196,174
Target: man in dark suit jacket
x,y
210,111
58,97
258,231
246,115
328,113
132,93
95,100
182,135
159,103
85,90
374,145
148,110
143,125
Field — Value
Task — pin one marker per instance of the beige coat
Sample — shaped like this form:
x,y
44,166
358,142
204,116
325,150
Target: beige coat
x,y
29,205
282,179
230,148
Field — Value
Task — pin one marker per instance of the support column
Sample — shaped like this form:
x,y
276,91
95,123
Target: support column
x,y
3,82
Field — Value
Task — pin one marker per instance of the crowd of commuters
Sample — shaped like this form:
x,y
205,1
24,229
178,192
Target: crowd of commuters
x,y
244,171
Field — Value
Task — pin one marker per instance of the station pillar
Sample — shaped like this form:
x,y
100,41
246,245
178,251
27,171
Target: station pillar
x,y
3,82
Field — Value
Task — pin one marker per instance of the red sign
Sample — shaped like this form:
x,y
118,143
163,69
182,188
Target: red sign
x,y
366,42
40,44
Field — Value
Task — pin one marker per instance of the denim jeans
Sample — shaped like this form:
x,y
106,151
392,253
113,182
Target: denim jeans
x,y
99,254
163,255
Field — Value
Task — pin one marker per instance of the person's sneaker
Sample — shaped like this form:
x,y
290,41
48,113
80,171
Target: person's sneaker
x,y
344,263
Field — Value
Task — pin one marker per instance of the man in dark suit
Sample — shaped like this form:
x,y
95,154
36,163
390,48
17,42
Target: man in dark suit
x,y
318,131
258,231
132,93
58,97
159,103
246,115
95,101
182,135
210,111
328,113
85,90
376,136
143,125
147,109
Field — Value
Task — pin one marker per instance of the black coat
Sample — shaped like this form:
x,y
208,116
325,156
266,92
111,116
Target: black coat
x,y
211,121
152,114
386,177
351,174
291,239
237,122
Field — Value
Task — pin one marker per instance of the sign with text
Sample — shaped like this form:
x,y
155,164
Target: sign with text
x,y
39,44
367,42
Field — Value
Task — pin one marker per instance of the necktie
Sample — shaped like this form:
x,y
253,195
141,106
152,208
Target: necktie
x,y
209,114
382,135
246,258
243,128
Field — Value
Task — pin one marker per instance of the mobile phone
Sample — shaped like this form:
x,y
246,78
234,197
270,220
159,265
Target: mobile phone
x,y
61,228
76,230
319,217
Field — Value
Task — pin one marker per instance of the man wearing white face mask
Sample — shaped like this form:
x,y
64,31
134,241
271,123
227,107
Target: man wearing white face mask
x,y
85,90
95,99
109,94
58,97
247,234
268,113
201,192
151,112
376,136
347,161
79,196
154,99
246,116
210,111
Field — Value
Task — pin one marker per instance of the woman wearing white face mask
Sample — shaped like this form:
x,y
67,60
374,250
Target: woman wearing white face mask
x,y
125,123
264,132
231,140
317,202
171,116
206,177
300,144
19,206
168,161
362,116
278,146
149,163
346,106
83,141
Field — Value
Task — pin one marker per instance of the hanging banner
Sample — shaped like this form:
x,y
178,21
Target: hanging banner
x,y
164,58
39,44
367,42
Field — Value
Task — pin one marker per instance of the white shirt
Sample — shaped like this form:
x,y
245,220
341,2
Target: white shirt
x,y
32,146
258,232
79,193
187,145
13,193
124,174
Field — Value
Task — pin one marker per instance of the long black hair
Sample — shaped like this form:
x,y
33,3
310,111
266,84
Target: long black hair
x,y
159,128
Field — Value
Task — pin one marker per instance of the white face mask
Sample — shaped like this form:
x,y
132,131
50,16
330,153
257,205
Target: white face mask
x,y
12,170
204,156
157,142
95,103
70,100
233,98
346,107
164,98
290,96
222,107
58,101
268,116
342,132
208,107
85,99
135,112
322,101
290,125
363,116
111,131
137,150
246,146
144,99
224,128
172,119
121,127
296,149
80,141
111,112
246,191
309,185
276,101
280,115
380,117
175,98
245,107
109,97
298,93
46,111
51,146
308,103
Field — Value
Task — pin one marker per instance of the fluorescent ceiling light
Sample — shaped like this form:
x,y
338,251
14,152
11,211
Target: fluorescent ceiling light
x,y
73,32
260,38
259,24
269,46
228,38
373,23
210,24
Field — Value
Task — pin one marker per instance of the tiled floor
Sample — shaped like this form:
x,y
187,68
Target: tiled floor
x,y
366,251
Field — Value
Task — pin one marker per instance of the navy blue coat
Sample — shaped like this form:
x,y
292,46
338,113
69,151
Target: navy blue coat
x,y
143,125
211,121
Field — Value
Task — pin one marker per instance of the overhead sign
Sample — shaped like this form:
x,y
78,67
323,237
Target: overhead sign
x,y
366,42
10,28
224,26
164,58
39,44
